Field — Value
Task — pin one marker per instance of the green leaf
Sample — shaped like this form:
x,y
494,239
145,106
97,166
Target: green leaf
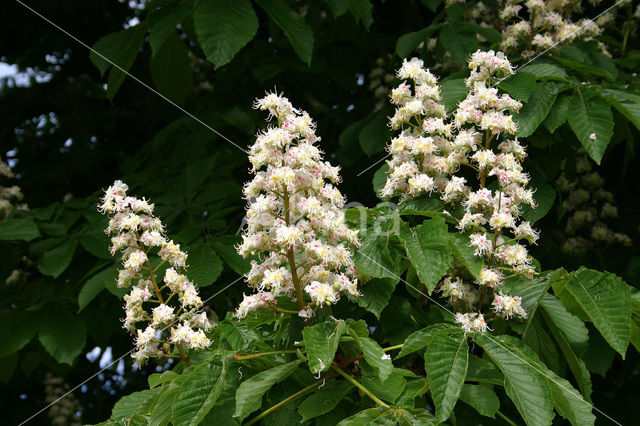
x,y
161,412
18,229
163,22
519,85
458,43
411,391
324,400
390,416
627,103
63,335
294,26
453,91
544,196
95,243
375,134
204,265
374,258
171,70
446,363
95,285
525,381
199,393
134,404
238,335
55,261
483,371
321,342
571,335
380,178
362,11
223,28
591,120
16,330
427,247
387,390
558,114
546,72
482,398
461,250
604,299
536,109
376,294
119,48
373,355
407,43
421,338
250,391
225,248
531,291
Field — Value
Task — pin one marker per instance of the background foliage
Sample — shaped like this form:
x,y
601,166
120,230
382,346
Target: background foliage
x,y
82,124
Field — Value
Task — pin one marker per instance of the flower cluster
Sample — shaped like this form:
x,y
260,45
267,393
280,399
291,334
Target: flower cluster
x,y
139,236
9,195
294,217
65,408
433,147
589,209
547,24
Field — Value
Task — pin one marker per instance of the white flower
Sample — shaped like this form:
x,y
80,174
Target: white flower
x,y
592,136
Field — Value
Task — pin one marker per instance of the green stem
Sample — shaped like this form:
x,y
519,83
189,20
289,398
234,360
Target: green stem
x,y
285,401
358,385
290,255
506,419
390,348
286,351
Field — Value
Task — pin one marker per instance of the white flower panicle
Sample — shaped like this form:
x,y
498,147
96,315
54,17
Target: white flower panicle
x,y
139,236
431,150
294,217
532,26
9,195
590,211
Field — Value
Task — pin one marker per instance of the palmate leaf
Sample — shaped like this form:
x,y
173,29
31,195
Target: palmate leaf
x,y
55,261
602,298
389,389
446,363
428,250
536,109
376,294
171,69
373,354
524,384
224,27
294,26
204,265
324,400
421,338
591,120
571,335
163,22
134,404
120,48
63,335
390,416
463,252
18,229
199,393
482,398
534,389
321,342
250,391
483,371
627,103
